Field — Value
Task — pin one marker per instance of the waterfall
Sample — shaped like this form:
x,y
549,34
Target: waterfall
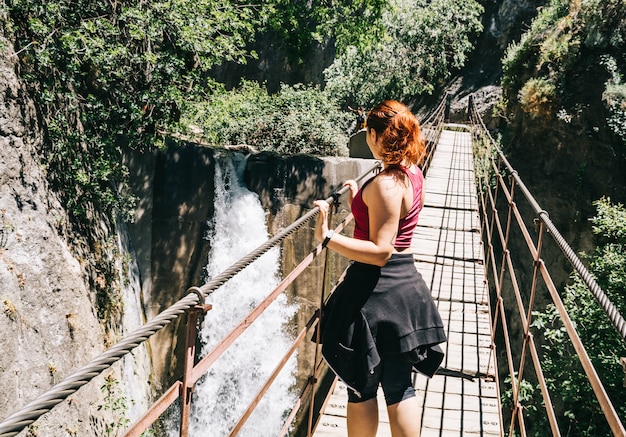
x,y
224,393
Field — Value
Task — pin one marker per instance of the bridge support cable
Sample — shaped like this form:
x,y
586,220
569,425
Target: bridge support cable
x,y
499,313
318,333
491,217
196,371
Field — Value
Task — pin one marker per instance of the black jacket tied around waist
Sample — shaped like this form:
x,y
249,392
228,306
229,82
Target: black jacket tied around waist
x,y
379,311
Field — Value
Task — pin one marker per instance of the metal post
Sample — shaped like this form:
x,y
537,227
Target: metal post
x,y
187,386
313,377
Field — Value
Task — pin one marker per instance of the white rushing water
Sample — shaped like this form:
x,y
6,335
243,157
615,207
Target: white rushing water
x,y
234,380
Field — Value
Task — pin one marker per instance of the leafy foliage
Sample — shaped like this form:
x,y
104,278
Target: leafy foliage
x,y
424,42
614,97
484,150
537,98
298,119
568,44
573,396
111,75
116,404
300,23
610,221
526,396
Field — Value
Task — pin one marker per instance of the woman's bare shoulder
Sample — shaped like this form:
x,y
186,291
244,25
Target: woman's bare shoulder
x,y
391,177
385,184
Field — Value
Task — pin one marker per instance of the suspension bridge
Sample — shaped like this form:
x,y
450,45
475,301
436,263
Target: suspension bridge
x,y
461,249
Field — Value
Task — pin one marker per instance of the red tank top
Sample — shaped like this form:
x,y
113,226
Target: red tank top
x,y
406,225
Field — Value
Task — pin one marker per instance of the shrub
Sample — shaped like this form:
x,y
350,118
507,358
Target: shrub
x,y
567,46
614,97
425,42
517,57
538,98
568,384
298,119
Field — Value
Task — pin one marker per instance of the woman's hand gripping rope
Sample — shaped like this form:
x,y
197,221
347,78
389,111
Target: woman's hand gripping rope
x,y
321,227
323,233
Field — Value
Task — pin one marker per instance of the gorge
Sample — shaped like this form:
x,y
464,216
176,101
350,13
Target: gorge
x,y
51,297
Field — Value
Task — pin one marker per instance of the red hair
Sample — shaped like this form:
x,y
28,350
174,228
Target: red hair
x,y
399,133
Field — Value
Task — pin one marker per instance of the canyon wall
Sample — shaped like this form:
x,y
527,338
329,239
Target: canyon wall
x,y
48,320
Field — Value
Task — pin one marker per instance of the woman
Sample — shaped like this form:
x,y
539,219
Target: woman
x,y
381,322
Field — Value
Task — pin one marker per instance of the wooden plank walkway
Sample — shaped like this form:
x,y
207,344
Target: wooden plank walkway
x,y
462,399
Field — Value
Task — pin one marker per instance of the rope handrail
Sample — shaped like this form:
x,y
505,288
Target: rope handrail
x,y
195,371
438,112
28,414
433,125
616,318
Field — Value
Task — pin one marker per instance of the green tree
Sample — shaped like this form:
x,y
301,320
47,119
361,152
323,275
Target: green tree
x,y
298,119
109,75
424,42
346,22
576,405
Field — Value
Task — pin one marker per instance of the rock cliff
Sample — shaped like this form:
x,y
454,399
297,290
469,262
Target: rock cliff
x,y
48,322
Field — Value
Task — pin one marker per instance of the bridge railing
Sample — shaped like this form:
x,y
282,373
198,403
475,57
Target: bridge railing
x,y
500,189
193,304
431,129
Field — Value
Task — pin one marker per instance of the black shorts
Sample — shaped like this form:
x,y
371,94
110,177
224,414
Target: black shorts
x,y
394,375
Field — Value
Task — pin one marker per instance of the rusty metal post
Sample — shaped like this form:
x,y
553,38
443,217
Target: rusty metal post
x,y
186,389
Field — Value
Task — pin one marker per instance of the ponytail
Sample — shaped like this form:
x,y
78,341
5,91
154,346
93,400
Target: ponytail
x,y
399,133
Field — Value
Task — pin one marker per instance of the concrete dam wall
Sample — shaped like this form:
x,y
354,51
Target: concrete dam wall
x,y
175,188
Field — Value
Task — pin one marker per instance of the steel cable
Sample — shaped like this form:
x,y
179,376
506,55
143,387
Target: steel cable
x,y
614,315
17,421
605,303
